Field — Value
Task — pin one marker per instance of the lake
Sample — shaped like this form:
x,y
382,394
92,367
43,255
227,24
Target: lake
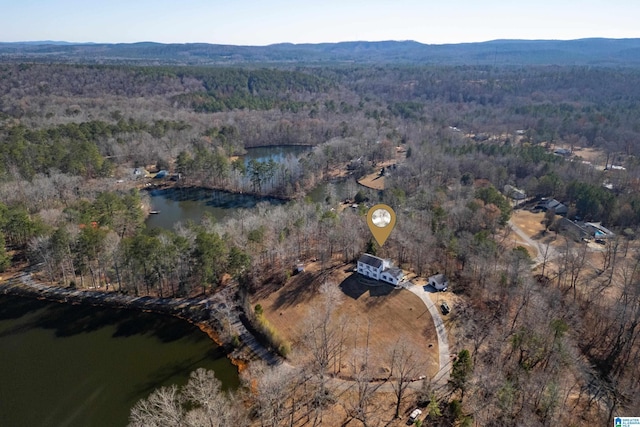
x,y
336,191
191,204
76,365
175,205
66,365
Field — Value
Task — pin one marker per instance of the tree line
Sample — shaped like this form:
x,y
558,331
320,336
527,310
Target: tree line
x,y
68,132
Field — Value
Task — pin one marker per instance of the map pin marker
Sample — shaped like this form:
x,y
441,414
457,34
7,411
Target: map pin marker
x,y
381,220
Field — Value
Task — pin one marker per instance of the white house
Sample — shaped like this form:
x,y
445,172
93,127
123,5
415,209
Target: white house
x,y
140,172
439,282
392,275
379,269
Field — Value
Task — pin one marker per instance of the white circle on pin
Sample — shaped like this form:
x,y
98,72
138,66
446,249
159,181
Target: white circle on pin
x,y
381,218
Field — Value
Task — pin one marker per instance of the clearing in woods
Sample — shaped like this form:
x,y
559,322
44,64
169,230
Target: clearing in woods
x,y
380,315
376,180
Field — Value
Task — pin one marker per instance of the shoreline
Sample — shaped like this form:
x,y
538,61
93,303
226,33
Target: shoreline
x,y
191,310
195,187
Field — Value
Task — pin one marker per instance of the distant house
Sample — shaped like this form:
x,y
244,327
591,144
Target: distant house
x,y
140,172
575,229
439,282
355,163
549,204
598,231
585,230
564,152
379,269
514,193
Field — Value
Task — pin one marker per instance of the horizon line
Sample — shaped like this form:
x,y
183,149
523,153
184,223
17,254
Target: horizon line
x,y
64,42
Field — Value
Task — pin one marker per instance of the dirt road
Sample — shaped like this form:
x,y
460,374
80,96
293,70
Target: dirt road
x,y
543,250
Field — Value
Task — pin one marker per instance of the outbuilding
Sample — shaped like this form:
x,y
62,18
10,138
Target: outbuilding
x,y
439,282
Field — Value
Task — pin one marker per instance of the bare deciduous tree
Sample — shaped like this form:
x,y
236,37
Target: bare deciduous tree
x,y
200,403
162,408
210,406
405,367
272,392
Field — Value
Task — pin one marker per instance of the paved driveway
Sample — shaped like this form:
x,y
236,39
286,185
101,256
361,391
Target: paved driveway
x,y
442,376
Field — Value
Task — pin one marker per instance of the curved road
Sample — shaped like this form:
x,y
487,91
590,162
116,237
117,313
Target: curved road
x,y
540,248
442,376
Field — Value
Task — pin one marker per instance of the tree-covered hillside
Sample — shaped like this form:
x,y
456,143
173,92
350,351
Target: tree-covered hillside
x,y
598,52
556,346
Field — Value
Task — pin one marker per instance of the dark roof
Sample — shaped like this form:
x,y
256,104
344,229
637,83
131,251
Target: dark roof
x,y
371,260
553,204
563,151
438,278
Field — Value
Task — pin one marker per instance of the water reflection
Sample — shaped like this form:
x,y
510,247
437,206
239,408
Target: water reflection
x,y
84,365
181,205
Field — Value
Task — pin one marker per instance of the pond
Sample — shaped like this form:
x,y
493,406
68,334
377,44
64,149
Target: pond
x,y
191,204
175,205
181,205
335,191
65,365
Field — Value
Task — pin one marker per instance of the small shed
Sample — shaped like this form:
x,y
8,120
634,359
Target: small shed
x,y
439,282
299,268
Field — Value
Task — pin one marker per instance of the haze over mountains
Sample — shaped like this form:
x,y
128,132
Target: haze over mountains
x,y
593,51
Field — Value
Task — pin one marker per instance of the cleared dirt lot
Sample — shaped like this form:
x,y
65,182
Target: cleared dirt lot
x,y
531,224
384,313
595,156
374,181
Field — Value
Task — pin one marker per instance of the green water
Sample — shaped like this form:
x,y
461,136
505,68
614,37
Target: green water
x,y
64,365
182,205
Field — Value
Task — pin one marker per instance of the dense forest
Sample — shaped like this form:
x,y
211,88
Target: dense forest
x,y
560,346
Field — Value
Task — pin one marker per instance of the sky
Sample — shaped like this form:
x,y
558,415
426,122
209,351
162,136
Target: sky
x,y
254,22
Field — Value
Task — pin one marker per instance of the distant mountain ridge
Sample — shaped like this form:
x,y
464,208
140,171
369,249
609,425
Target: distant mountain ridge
x,y
592,51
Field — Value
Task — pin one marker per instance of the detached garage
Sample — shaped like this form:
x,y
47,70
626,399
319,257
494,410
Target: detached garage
x,y
439,282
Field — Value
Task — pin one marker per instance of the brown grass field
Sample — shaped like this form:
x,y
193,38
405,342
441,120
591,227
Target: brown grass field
x,y
387,314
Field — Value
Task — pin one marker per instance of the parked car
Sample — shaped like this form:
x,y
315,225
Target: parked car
x,y
445,308
414,416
